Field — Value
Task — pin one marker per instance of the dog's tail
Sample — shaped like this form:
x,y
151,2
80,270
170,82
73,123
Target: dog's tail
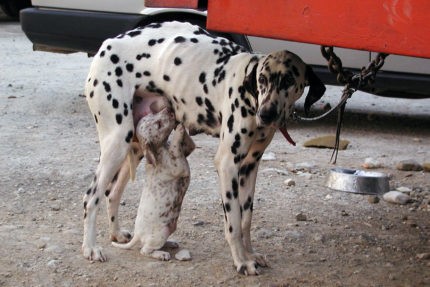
x,y
127,245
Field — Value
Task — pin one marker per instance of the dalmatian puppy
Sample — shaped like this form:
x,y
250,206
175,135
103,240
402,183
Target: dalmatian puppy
x,y
167,176
214,87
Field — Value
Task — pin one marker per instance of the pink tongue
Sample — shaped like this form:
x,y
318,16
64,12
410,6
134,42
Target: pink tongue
x,y
287,136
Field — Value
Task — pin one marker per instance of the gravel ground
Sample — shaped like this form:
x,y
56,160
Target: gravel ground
x,y
312,236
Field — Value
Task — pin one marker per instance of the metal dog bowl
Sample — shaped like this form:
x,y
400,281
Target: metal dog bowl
x,y
358,181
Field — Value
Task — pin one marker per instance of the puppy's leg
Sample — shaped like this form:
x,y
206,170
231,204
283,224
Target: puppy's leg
x,y
247,179
233,147
154,242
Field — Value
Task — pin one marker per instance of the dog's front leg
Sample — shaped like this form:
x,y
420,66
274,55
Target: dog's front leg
x,y
247,180
230,152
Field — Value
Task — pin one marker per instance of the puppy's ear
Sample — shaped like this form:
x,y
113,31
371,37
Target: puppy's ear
x,y
150,154
316,89
250,82
188,144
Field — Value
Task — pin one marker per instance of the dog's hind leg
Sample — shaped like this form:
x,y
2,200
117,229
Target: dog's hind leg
x,y
115,132
114,150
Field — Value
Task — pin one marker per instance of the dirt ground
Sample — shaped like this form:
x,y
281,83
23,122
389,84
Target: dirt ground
x,y
49,150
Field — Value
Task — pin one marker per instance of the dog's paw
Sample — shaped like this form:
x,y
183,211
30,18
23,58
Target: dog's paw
x,y
121,236
259,258
94,253
248,268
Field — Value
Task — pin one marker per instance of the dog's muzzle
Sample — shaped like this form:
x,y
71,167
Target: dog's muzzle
x,y
268,115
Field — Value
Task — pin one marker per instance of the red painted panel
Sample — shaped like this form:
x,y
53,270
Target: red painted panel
x,y
391,26
172,3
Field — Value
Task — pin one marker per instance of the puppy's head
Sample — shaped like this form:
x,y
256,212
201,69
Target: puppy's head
x,y
153,130
278,81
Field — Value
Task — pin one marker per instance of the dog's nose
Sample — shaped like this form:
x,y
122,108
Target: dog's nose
x,y
268,115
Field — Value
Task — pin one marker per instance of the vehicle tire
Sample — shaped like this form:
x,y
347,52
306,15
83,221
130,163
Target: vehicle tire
x,y
12,7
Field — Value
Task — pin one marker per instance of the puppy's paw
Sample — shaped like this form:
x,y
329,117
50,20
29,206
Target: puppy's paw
x,y
160,255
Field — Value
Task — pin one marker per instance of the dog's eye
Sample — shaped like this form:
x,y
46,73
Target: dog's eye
x,y
287,81
262,80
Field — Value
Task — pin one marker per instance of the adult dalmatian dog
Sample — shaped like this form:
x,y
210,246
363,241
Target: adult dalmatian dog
x,y
215,87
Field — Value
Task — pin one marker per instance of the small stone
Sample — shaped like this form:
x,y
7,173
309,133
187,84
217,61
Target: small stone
x,y
318,238
423,256
54,249
426,166
326,142
305,175
391,276
274,170
344,213
199,223
53,263
373,199
301,217
371,163
409,165
41,244
396,197
289,182
264,233
55,208
305,166
183,255
404,189
293,235
268,156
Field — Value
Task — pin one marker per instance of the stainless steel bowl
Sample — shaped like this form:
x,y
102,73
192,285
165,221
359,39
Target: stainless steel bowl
x,y
358,181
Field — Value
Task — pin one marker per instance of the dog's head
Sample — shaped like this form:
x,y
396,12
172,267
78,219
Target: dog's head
x,y
278,81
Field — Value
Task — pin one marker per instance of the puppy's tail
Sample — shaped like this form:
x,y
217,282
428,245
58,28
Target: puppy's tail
x,y
127,245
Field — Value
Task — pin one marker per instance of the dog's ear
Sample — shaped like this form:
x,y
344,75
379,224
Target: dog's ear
x,y
316,89
250,82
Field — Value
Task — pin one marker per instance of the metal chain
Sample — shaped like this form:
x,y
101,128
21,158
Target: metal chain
x,y
352,82
364,78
